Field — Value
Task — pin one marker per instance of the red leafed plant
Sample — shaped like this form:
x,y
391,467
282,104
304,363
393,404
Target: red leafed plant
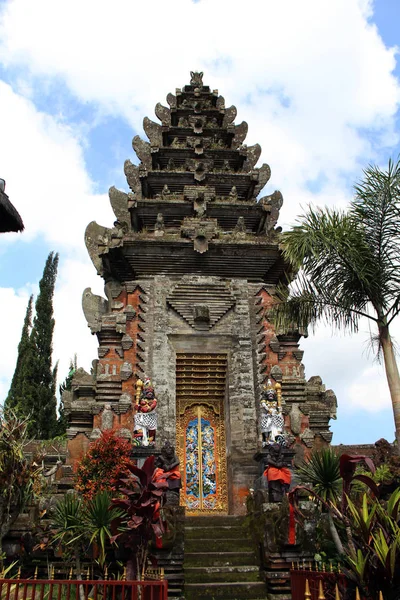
x,y
143,496
104,464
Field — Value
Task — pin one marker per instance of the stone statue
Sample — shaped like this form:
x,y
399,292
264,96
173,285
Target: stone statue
x,y
240,227
165,192
159,225
271,418
146,415
233,195
107,417
169,463
278,473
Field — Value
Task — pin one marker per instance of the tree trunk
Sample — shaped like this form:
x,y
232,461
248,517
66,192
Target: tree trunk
x,y
335,536
392,375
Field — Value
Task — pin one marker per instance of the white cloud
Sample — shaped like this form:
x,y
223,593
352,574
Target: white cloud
x,y
309,77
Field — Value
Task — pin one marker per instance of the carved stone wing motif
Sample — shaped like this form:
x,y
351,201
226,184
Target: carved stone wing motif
x,y
240,132
153,132
264,173
119,204
230,116
143,151
94,307
164,114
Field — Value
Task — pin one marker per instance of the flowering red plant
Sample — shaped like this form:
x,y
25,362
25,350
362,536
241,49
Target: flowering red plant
x,y
106,462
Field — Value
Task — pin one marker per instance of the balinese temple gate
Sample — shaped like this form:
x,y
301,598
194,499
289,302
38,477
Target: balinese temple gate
x,y
190,267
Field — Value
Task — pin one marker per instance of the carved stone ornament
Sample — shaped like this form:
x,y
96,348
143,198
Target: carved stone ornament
x,y
201,231
143,151
130,312
126,371
119,204
153,132
94,307
96,239
171,99
229,116
253,153
276,373
264,174
271,205
198,144
127,342
240,132
159,226
125,399
197,122
164,114
201,316
196,78
296,416
307,437
274,344
132,176
107,417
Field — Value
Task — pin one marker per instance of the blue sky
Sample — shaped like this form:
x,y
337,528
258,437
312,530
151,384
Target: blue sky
x,y
318,83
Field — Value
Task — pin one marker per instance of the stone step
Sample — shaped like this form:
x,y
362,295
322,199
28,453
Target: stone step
x,y
217,520
219,545
233,591
216,532
225,574
219,559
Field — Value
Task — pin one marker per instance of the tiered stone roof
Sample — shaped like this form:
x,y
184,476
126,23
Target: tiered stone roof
x,y
193,203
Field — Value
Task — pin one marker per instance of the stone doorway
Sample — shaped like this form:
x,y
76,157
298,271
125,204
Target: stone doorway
x,y
201,445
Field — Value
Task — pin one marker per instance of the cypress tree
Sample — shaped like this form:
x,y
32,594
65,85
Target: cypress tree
x,y
66,385
42,399
15,397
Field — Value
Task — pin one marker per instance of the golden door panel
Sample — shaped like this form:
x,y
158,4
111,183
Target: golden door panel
x,y
202,455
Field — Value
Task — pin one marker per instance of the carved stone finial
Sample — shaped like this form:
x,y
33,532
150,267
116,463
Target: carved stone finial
x,y
196,78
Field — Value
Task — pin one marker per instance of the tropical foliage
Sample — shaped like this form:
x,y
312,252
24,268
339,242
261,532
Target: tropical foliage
x,y
20,478
143,497
349,266
105,463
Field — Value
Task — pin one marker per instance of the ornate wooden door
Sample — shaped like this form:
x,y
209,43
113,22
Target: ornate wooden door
x,y
201,432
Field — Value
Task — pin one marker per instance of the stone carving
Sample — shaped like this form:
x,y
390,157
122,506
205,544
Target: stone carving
x,y
271,419
183,122
132,176
146,415
169,463
296,417
201,231
94,307
171,99
307,437
264,174
201,316
164,114
130,312
271,205
112,289
165,192
253,153
107,417
143,151
233,195
198,144
240,132
153,132
229,116
119,204
240,227
278,472
126,371
95,236
276,373
220,103
126,342
197,123
196,78
159,226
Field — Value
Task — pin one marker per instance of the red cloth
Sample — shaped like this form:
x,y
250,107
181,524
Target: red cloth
x,y
283,475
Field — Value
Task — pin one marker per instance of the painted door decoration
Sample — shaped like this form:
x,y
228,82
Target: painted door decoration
x,y
201,435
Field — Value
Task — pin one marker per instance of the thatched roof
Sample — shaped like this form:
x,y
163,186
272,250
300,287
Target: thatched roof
x,y
10,219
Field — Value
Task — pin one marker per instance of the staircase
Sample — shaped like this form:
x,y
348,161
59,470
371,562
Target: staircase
x,y
220,560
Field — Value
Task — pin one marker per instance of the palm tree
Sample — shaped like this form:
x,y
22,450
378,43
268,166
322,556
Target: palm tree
x,y
349,267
